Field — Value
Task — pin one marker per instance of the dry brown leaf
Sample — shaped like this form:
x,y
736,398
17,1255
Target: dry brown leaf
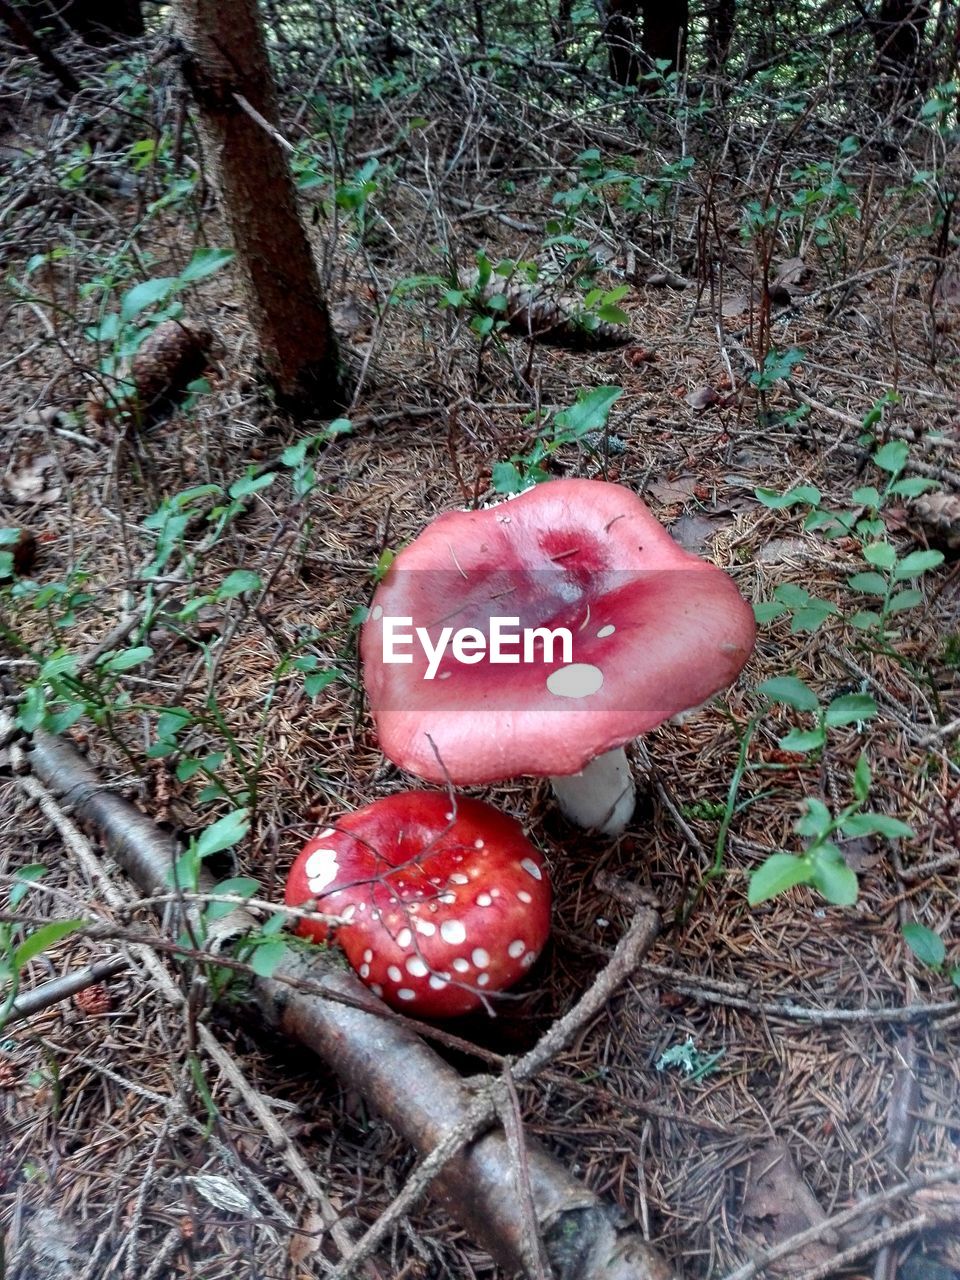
x,y
670,491
694,531
938,515
702,398
790,272
306,1241
781,1204
735,305
29,484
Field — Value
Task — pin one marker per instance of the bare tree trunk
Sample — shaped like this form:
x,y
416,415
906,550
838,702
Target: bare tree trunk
x,y
898,37
721,20
227,68
665,32
664,36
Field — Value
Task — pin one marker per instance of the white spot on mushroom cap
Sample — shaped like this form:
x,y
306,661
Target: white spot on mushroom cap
x,y
364,971
444,675
459,878
393,973
449,816
321,869
404,938
482,979
461,965
524,897
531,868
438,981
448,898
426,927
349,911
376,613
415,967
453,931
608,630
367,956
322,835
478,844
528,959
576,680
516,949
484,900
404,993
480,957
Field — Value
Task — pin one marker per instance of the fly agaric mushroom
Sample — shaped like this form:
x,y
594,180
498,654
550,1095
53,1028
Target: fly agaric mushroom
x,y
653,631
442,904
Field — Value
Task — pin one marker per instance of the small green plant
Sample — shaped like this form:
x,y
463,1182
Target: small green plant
x,y
930,950
692,1061
567,426
822,864
849,708
19,944
777,367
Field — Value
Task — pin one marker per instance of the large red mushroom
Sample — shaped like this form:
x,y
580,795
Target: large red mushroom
x,y
443,902
653,631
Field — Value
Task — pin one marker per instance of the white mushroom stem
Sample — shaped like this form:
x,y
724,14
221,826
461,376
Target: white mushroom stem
x,y
602,796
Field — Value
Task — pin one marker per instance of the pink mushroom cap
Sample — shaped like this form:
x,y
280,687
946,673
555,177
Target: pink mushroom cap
x,y
656,631
442,905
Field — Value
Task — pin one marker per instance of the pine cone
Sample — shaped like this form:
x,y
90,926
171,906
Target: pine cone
x,y
536,311
166,362
94,1001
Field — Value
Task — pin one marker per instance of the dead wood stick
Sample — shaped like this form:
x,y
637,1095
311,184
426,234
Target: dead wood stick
x,y
422,1097
25,35
881,1200
62,988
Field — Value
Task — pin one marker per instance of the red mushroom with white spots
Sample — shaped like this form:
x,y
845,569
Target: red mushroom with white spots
x,y
443,903
653,631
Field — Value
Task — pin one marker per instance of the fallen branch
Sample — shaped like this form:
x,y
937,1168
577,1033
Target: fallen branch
x,y
422,1097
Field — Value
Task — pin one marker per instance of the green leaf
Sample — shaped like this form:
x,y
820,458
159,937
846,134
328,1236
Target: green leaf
x,y
812,615
865,620
506,478
267,956
867,495
236,583
917,562
46,936
912,487
127,659
226,831
871,584
590,412
780,872
850,708
790,691
904,600
835,880
815,821
146,294
768,610
803,740
861,778
315,684
251,483
807,493
23,879
876,824
882,555
892,456
926,945
204,263
239,886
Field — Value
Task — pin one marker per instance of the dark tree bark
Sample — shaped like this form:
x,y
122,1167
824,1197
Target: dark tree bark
x,y
663,38
665,32
25,35
225,64
99,22
721,20
898,38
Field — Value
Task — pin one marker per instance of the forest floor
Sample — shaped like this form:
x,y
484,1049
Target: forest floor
x,y
816,1043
